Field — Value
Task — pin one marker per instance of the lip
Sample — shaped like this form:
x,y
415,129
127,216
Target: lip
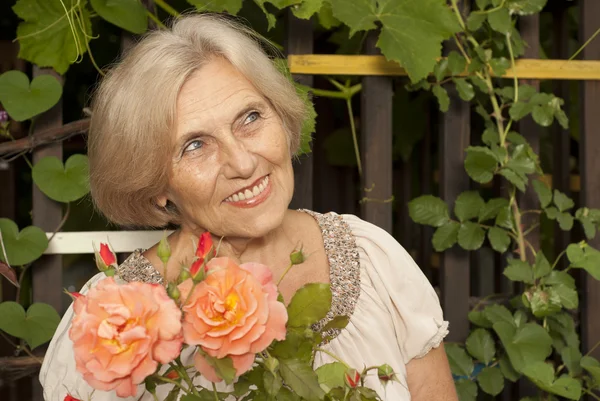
x,y
256,200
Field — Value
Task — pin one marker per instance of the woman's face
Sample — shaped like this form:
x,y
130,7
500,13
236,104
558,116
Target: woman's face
x,y
232,172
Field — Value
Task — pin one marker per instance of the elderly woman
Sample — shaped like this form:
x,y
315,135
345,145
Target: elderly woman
x,y
196,128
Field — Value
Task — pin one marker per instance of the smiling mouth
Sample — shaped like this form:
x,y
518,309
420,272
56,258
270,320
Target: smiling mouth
x,y
250,193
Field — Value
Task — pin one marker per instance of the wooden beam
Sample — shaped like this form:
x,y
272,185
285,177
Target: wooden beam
x,y
333,64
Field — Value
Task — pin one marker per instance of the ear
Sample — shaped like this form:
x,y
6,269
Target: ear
x,y
161,201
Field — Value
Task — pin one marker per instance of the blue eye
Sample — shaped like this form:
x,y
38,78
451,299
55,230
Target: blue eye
x,y
194,145
252,117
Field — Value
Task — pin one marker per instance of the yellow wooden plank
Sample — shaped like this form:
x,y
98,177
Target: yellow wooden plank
x,y
334,64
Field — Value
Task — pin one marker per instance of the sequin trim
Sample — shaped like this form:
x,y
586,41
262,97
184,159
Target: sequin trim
x,y
344,268
342,254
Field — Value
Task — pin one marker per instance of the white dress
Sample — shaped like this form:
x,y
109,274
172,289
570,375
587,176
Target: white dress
x,y
394,312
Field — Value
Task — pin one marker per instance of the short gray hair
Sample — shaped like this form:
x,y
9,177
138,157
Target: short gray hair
x,y
134,108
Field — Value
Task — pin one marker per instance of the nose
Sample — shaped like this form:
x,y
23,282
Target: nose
x,y
239,161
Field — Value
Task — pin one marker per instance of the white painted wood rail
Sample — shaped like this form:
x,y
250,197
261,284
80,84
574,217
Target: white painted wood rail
x,y
81,242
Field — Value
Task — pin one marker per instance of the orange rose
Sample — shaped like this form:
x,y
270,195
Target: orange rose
x,y
233,313
121,332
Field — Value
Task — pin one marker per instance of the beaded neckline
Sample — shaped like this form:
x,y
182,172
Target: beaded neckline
x,y
342,255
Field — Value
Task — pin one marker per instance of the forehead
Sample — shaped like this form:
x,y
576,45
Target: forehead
x,y
214,89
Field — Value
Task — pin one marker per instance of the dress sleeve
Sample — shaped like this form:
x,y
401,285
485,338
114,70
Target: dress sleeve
x,y
407,295
58,374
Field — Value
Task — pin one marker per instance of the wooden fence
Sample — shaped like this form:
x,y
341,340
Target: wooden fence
x,y
462,277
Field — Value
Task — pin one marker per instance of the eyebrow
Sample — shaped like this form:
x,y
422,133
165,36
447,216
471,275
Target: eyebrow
x,y
254,104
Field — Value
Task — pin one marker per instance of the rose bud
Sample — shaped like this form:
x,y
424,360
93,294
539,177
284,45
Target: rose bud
x,y
73,295
173,375
297,257
164,250
173,291
105,259
203,255
69,397
385,373
352,378
184,275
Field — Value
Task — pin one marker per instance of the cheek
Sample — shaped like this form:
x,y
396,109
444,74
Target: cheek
x,y
191,186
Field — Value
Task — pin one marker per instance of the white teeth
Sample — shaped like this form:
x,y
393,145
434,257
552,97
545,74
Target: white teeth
x,y
255,191
248,194
241,196
235,198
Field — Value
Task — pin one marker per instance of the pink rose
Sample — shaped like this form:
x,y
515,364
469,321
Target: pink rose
x,y
233,313
121,332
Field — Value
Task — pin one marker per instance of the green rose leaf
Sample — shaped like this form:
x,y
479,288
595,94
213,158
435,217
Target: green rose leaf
x,y
480,344
499,66
464,89
519,110
22,247
542,375
542,266
592,366
490,136
331,375
560,278
568,296
230,6
23,100
45,36
442,97
439,71
492,208
36,327
478,318
525,345
475,21
499,239
429,210
543,115
456,63
222,366
62,183
301,378
127,14
587,258
500,20
504,218
543,192
545,302
309,305
498,313
470,236
514,178
507,369
480,164
526,7
562,201
466,390
518,270
306,9
461,363
445,236
467,205
491,380
552,213
589,227
571,357
272,383
565,221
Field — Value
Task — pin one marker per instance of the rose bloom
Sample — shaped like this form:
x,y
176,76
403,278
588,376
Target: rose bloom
x,y
233,313
121,332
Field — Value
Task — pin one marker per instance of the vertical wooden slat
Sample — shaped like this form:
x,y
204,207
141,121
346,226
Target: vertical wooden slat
x,y
455,263
425,180
299,40
530,32
376,145
47,214
590,166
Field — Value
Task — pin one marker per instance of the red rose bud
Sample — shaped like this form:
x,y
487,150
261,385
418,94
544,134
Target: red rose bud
x,y
105,259
385,373
352,378
69,397
203,255
205,245
173,375
73,295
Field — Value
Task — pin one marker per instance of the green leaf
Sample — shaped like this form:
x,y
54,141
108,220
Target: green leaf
x,y
439,71
445,236
478,318
480,344
542,266
568,296
560,277
466,390
222,366
499,239
480,164
309,305
592,366
499,66
326,18
525,345
507,369
23,100
542,375
470,236
467,205
62,183
456,63
545,302
36,327
571,357
127,14
565,221
306,9
45,36
475,21
492,208
230,6
525,7
543,192
562,201
272,382
518,270
429,210
309,123
464,88
490,136
491,380
331,375
22,247
500,20
589,227
519,110
543,115
338,322
504,218
514,178
442,97
498,313
301,378
562,118
461,363
552,213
